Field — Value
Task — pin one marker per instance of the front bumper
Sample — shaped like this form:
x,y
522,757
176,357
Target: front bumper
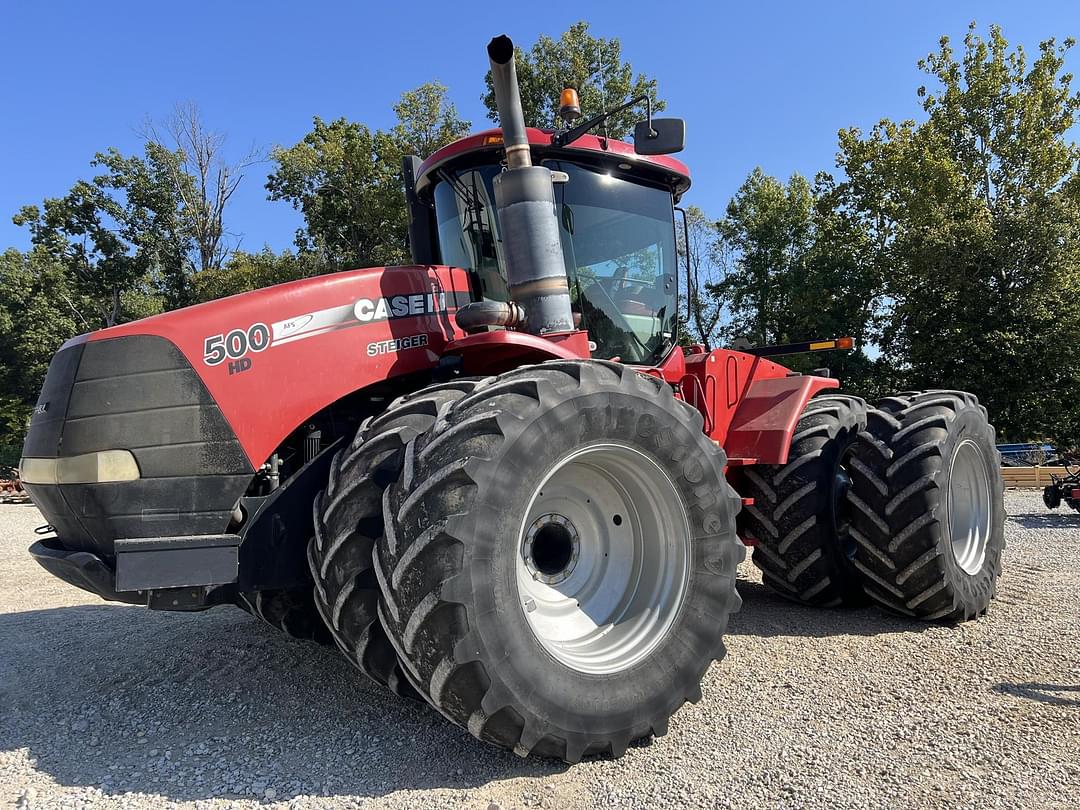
x,y
181,573
83,570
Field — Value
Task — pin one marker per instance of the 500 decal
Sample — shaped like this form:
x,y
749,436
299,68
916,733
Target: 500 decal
x,y
235,344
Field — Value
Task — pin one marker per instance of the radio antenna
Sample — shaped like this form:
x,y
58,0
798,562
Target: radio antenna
x,y
603,90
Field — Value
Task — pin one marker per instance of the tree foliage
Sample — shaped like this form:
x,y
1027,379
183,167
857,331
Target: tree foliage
x,y
345,179
795,269
426,121
203,179
769,226
948,248
708,267
975,213
575,60
119,236
242,272
39,310
341,178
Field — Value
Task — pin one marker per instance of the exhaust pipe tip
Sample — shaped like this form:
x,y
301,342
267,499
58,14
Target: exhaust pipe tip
x,y
500,49
508,101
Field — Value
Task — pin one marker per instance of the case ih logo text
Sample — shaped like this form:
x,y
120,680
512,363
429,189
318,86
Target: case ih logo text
x,y
399,306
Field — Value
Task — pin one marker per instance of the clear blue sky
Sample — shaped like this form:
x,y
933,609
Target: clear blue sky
x,y
760,83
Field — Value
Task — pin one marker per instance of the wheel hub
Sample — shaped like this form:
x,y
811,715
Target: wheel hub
x,y
969,507
604,558
551,548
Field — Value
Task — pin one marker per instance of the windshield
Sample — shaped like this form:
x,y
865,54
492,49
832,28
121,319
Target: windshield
x,y
618,241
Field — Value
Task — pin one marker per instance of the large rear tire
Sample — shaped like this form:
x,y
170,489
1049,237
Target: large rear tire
x,y
927,507
558,566
348,520
799,515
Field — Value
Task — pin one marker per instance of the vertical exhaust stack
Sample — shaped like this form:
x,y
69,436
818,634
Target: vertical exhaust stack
x,y
525,199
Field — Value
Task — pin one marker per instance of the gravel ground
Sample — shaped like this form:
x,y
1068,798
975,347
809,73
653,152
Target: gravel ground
x,y
105,705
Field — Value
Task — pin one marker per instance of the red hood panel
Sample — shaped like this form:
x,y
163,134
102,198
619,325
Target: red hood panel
x,y
273,357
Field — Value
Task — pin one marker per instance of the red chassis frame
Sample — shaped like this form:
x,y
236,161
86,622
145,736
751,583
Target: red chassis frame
x,y
273,358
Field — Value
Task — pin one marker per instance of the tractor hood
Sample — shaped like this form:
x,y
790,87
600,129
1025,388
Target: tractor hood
x,y
295,347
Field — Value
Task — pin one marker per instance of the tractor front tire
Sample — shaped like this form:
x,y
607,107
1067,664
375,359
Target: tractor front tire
x,y
558,566
927,506
291,612
348,520
799,515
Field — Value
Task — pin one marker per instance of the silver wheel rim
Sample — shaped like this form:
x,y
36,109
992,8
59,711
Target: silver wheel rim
x,y
603,558
969,507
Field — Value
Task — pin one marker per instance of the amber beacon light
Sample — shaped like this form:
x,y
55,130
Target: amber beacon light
x,y
569,105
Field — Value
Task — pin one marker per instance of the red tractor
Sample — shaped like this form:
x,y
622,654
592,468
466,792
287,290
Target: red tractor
x,y
493,478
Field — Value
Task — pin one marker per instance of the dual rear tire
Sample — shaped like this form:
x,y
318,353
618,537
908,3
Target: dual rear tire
x,y
348,519
900,502
289,611
927,508
799,520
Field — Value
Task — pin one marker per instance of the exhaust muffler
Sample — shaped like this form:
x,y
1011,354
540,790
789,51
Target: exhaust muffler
x,y
525,200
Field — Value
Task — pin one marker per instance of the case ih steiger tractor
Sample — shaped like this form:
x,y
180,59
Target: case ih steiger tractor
x,y
493,478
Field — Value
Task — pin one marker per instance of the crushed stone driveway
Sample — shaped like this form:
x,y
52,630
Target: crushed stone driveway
x,y
106,705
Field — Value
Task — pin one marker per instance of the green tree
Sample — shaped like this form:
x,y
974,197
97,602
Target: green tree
x,y
119,237
836,292
769,225
346,180
242,272
707,268
975,213
426,120
797,265
39,310
575,60
341,177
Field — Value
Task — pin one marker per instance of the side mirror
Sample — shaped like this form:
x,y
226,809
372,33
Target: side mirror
x,y
661,136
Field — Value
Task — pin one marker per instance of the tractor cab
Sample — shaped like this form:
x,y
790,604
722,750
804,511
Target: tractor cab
x,y
616,225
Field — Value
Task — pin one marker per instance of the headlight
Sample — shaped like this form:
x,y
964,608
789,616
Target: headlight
x,y
104,466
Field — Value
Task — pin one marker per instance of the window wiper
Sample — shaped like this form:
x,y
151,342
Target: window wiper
x,y
467,196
